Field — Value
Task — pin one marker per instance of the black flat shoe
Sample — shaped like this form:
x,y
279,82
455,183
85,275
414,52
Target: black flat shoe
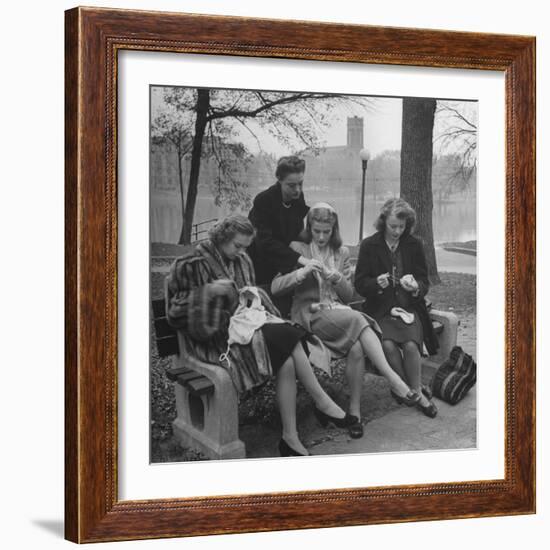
x,y
411,399
429,410
325,418
356,429
286,450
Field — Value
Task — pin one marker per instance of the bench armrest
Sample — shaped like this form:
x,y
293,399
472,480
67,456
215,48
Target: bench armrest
x,y
447,338
215,373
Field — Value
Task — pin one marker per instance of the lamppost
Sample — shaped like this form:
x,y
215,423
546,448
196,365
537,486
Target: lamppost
x,y
365,157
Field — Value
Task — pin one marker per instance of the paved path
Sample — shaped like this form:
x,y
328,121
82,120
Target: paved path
x,y
407,429
400,429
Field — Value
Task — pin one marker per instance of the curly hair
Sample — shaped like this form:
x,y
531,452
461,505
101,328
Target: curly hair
x,y
323,215
226,228
289,165
400,209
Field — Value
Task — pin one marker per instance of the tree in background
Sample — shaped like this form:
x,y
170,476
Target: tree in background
x,y
416,171
172,127
384,173
449,176
456,134
204,124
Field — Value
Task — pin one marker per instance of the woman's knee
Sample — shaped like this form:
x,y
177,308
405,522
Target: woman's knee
x,y
287,368
356,351
411,348
298,354
389,347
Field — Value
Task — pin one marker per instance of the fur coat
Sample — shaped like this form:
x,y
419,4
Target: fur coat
x,y
195,306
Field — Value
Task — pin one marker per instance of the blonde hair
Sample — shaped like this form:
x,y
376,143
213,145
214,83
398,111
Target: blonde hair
x,y
226,228
323,213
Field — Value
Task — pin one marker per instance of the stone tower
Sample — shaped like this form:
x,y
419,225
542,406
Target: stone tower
x,y
355,132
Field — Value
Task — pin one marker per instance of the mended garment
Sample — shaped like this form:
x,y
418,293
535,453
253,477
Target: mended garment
x,y
339,327
276,227
374,260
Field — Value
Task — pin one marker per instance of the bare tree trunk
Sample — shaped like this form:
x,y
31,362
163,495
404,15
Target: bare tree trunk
x,y
203,104
416,171
180,180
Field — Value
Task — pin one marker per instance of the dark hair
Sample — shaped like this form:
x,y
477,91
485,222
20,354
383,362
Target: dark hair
x,y
400,209
322,215
226,228
289,165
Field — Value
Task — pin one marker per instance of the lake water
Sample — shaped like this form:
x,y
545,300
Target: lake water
x,y
452,221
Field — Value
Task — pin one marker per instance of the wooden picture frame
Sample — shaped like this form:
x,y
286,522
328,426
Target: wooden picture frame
x,y
93,511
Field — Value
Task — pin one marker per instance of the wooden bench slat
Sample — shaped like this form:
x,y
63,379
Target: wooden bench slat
x,y
168,346
159,308
200,386
163,329
174,372
186,377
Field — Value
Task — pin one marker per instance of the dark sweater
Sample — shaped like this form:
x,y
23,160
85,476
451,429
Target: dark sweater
x,y
374,260
276,228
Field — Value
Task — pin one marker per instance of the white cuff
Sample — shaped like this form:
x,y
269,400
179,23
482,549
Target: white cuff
x,y
300,275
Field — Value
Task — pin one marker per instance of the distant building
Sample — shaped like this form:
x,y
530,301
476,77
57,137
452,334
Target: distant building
x,y
337,168
355,132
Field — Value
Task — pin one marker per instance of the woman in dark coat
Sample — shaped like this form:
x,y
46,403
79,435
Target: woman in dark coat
x,y
278,217
392,276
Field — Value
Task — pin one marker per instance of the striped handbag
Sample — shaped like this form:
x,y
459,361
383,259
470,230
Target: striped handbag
x,y
455,377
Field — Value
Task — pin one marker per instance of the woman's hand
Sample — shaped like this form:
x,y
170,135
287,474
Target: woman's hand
x,y
312,266
303,261
409,283
383,280
223,287
332,276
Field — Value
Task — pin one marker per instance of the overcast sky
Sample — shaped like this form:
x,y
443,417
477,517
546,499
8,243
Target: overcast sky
x,y
382,126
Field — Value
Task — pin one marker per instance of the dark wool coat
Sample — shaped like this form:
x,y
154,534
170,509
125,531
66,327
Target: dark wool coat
x,y
276,227
195,307
375,259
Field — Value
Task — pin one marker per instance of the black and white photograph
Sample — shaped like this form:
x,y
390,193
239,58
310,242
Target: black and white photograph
x,y
313,273
268,246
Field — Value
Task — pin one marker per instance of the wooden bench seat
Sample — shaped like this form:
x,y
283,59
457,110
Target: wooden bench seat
x,y
196,383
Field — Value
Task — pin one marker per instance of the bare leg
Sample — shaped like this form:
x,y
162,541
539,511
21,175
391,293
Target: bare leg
x,y
412,364
305,374
373,349
394,357
355,368
285,387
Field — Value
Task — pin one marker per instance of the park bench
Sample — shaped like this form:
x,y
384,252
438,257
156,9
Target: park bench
x,y
206,401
